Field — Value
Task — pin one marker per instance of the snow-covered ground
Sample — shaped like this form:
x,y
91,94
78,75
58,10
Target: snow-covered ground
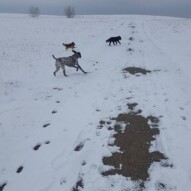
x,y
43,118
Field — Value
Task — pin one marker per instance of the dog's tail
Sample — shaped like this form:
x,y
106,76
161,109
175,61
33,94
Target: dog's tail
x,y
54,57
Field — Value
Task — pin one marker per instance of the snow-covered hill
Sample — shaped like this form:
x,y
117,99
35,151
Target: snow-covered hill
x,y
50,135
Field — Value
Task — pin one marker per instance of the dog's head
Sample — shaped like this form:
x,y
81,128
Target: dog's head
x,y
119,37
77,54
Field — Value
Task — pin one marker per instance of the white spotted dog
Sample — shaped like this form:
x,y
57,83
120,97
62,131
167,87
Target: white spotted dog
x,y
71,61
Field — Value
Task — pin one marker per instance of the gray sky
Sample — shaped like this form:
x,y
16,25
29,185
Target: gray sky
x,y
176,8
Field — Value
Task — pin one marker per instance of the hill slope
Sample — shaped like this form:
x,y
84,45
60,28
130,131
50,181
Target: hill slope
x,y
50,132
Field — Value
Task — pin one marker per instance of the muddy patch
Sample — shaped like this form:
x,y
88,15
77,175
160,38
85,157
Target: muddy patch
x,y
136,70
134,141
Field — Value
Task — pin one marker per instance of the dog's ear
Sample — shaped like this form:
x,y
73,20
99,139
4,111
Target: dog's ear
x,y
73,51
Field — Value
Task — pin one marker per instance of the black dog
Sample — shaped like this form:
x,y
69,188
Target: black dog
x,y
114,40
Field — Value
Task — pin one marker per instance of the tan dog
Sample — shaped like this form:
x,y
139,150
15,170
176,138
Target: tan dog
x,y
70,45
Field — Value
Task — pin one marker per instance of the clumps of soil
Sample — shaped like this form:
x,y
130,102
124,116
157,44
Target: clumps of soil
x,y
136,70
2,186
134,158
107,124
132,106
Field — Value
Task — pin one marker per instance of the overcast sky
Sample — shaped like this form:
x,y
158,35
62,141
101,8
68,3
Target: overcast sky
x,y
177,8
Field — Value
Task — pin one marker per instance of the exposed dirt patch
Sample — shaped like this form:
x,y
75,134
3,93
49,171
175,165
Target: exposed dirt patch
x,y
134,141
136,70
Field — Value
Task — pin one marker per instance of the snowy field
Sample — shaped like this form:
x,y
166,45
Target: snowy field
x,y
45,119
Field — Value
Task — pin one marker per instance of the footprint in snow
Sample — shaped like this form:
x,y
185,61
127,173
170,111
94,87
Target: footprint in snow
x,y
83,163
183,118
2,186
79,147
62,181
131,38
47,142
130,50
46,125
36,147
79,185
20,168
54,111
131,26
39,145
56,88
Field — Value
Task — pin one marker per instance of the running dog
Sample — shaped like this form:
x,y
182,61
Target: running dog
x,y
71,61
70,45
114,40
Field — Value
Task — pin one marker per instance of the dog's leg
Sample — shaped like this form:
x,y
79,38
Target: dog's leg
x,y
57,69
76,68
63,68
81,69
118,42
109,43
